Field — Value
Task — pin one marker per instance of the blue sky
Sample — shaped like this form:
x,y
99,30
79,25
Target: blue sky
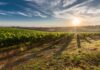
x,y
48,12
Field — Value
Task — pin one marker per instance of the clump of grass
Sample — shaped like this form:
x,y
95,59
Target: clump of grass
x,y
85,60
66,61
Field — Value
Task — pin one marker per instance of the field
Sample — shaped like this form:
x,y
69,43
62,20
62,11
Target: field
x,y
24,49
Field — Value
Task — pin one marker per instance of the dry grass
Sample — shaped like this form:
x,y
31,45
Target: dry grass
x,y
85,58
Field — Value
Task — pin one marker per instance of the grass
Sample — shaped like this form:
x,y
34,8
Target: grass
x,y
71,59
48,51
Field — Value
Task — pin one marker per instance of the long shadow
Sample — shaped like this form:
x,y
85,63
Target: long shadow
x,y
31,56
16,46
17,51
51,46
94,37
11,47
11,53
78,41
10,42
91,37
65,45
85,38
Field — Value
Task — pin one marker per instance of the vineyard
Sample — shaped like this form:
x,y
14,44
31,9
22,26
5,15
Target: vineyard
x,y
48,50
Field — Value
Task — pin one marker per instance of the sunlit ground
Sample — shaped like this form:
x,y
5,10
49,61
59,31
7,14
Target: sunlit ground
x,y
85,58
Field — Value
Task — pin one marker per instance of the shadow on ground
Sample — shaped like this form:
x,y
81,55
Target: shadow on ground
x,y
17,58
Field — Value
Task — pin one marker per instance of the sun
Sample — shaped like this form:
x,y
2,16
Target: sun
x,y
76,21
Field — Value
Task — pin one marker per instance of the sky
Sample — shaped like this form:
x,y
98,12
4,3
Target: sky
x,y
50,13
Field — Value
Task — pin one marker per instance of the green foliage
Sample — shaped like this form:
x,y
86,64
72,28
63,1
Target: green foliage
x,y
84,61
13,36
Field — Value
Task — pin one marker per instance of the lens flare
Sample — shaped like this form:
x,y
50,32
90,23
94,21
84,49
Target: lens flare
x,y
76,21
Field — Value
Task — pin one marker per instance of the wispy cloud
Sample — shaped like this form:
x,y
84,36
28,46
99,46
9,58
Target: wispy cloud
x,y
64,8
77,9
54,8
3,3
23,14
36,13
1,13
68,2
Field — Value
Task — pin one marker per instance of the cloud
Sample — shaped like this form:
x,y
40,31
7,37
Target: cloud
x,y
3,3
68,2
54,8
23,14
79,9
48,7
26,14
37,1
36,13
1,13
64,8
